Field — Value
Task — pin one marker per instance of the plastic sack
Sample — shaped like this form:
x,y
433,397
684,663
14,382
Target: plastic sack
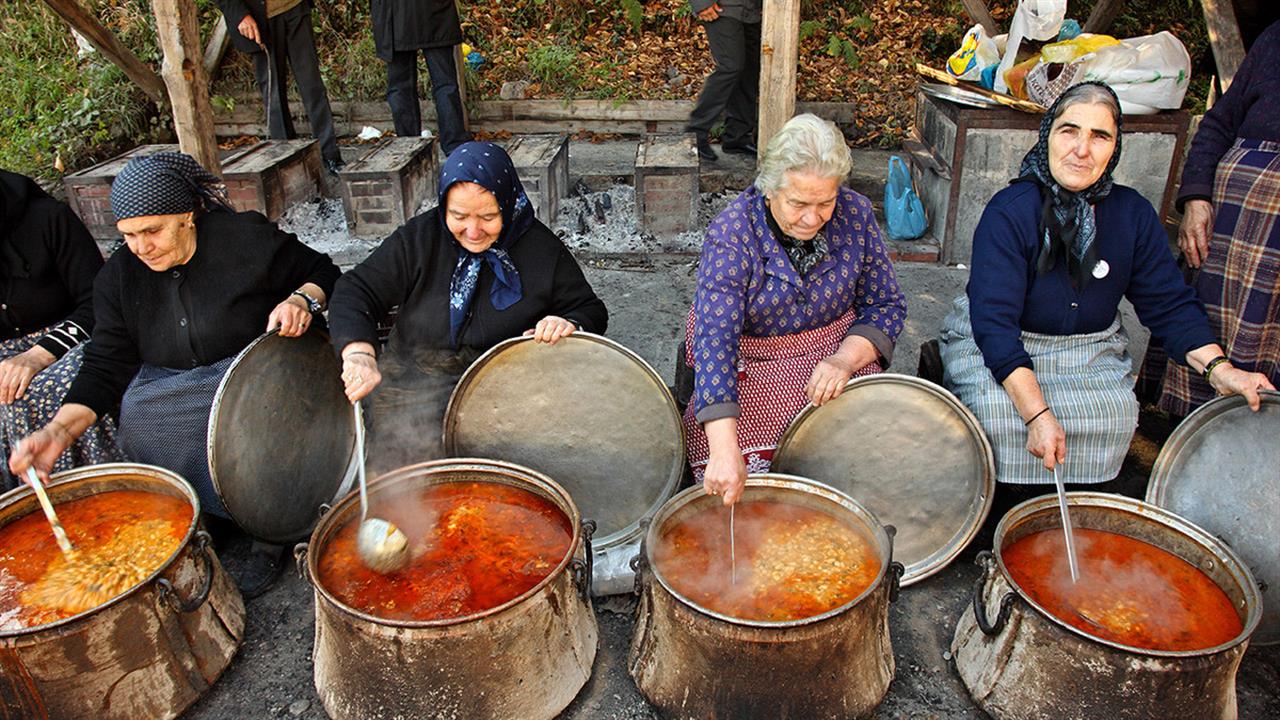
x,y
977,51
903,212
1065,51
1034,19
1148,73
1015,79
1047,81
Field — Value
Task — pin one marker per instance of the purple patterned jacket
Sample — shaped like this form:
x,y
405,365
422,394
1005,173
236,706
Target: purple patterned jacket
x,y
746,284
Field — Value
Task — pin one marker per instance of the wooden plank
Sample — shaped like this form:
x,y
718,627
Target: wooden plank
x,y
460,66
178,31
105,41
219,41
1224,38
978,12
779,55
1024,105
1104,13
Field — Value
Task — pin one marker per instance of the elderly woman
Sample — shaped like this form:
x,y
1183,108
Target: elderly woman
x,y
795,296
1035,348
47,265
475,270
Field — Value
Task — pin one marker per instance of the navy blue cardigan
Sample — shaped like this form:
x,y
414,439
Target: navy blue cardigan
x,y
1006,297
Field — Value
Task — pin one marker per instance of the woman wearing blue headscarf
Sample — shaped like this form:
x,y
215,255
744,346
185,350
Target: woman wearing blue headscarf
x,y
1035,347
475,270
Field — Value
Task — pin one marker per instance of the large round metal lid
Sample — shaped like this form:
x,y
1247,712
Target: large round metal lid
x,y
1219,469
585,411
281,436
908,451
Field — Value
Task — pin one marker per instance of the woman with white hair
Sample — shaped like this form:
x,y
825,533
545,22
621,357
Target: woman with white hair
x,y
795,296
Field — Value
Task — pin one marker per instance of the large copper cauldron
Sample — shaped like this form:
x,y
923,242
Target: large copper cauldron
x,y
148,653
526,658
1019,661
691,662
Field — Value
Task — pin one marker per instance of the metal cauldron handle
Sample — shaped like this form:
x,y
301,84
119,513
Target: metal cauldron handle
x,y
300,559
582,569
167,594
896,569
640,562
987,561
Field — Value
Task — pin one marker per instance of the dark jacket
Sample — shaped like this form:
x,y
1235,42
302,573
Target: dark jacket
x,y
414,24
235,10
47,265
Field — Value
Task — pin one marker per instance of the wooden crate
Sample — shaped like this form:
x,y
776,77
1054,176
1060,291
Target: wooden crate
x,y
89,190
385,187
542,162
965,155
273,175
667,183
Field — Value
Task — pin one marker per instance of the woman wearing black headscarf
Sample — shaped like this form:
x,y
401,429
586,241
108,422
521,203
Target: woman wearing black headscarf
x,y
199,282
475,270
47,265
1035,347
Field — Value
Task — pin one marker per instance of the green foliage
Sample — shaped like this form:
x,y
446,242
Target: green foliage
x,y
556,68
862,23
841,47
809,27
634,12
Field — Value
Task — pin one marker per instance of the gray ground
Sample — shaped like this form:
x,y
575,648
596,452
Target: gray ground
x,y
648,290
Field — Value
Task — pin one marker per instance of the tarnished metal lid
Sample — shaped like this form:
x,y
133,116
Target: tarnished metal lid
x,y
281,436
587,412
908,451
1219,469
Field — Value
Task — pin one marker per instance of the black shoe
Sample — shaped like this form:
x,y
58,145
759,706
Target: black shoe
x,y
260,569
704,149
334,165
742,148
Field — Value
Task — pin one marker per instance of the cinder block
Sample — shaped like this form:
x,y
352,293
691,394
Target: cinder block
x,y
273,175
88,190
666,183
542,162
385,187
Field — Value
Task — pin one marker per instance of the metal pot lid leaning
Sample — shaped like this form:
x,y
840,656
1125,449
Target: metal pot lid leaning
x,y
1219,470
281,436
587,412
908,451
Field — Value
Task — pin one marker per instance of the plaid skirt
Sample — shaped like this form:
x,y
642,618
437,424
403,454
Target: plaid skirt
x,y
1087,379
1239,280
38,406
772,373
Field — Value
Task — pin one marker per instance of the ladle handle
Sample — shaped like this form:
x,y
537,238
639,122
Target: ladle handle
x,y
59,534
360,477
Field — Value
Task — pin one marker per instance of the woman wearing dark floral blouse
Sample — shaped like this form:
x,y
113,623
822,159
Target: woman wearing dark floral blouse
x,y
795,296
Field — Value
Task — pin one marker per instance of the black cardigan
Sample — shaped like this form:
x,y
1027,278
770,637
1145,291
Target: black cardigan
x,y
47,264
413,268
194,314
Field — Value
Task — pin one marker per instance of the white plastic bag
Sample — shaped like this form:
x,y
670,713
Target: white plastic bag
x,y
1148,73
1034,19
976,52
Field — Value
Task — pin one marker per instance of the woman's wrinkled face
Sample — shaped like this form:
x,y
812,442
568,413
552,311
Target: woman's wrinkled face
x,y
473,216
804,203
160,241
1081,142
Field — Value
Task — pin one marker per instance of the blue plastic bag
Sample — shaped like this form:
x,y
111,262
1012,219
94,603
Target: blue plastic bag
x,y
903,212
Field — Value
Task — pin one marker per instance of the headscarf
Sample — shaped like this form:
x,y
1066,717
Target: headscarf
x,y
16,193
489,166
1067,225
167,183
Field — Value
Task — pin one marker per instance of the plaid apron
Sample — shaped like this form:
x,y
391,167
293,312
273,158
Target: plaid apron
x,y
1087,379
1239,280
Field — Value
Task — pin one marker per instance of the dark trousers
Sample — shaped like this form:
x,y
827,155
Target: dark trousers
x,y
402,95
290,44
734,86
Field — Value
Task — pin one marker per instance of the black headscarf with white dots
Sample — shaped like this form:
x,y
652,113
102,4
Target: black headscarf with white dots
x,y
167,183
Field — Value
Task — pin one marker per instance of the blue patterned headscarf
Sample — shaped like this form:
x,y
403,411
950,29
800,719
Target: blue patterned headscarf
x,y
1067,225
490,167
167,183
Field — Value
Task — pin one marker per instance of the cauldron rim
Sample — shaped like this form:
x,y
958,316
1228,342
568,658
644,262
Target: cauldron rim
x,y
1171,522
335,518
64,482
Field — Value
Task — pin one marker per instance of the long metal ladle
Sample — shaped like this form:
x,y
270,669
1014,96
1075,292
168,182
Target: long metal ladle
x,y
379,543
1066,526
59,534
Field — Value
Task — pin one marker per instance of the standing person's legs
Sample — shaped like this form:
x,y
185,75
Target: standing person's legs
x,y
402,92
301,47
272,73
443,68
727,39
742,109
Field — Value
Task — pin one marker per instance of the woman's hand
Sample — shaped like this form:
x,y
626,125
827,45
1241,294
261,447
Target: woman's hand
x,y
726,471
710,14
1047,440
833,372
41,448
360,373
550,329
17,372
248,27
292,316
1228,380
1195,231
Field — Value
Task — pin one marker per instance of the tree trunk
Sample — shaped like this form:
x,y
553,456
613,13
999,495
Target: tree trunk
x,y
184,74
779,55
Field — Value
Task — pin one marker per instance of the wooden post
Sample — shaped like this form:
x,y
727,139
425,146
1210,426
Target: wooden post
x,y
74,14
1224,38
779,55
1104,13
183,72
217,47
978,12
460,64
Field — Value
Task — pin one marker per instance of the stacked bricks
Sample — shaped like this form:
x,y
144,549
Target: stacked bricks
x,y
89,190
542,162
666,183
273,175
386,186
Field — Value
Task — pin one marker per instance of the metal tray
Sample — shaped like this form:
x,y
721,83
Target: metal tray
x,y
908,451
1220,469
281,436
587,412
957,95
